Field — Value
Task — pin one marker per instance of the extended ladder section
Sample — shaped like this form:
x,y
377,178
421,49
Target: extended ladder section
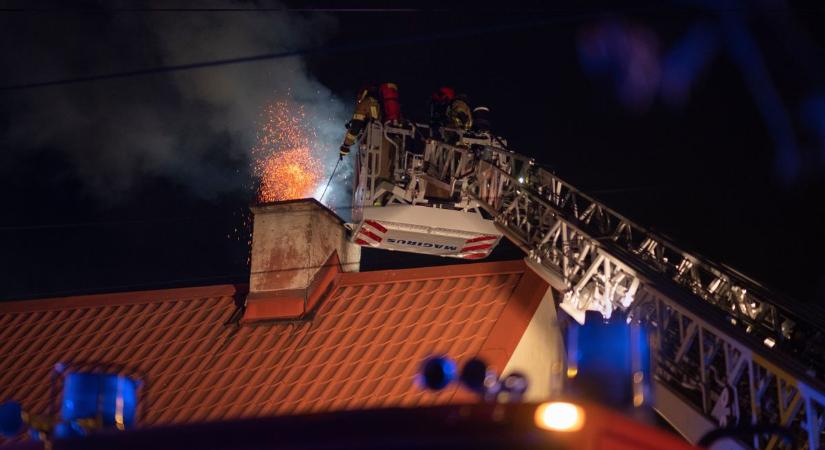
x,y
726,348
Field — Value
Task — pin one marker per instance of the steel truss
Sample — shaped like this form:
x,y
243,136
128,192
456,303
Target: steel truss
x,y
725,344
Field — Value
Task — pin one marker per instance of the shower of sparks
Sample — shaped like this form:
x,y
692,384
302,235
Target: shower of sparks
x,y
283,156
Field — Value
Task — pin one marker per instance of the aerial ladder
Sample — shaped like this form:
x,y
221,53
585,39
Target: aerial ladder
x,y
726,350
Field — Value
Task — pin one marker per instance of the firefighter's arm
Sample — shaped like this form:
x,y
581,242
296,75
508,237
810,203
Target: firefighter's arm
x,y
354,129
356,124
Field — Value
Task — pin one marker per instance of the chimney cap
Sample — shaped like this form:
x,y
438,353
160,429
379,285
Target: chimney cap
x,y
298,204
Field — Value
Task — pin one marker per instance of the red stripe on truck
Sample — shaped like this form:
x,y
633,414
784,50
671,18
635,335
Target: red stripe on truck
x,y
476,247
370,234
481,238
376,225
474,256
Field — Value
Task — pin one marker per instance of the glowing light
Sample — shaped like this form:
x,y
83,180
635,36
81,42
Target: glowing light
x,y
769,342
119,424
521,180
559,416
627,300
284,160
319,191
638,389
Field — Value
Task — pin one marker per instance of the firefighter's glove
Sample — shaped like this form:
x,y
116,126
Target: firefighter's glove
x,y
343,151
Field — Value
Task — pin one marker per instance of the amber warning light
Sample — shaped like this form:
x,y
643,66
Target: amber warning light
x,y
559,416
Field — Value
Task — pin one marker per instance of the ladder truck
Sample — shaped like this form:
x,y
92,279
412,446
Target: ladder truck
x,y
723,344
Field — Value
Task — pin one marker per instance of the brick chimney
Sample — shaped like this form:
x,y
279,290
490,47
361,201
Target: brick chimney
x,y
298,249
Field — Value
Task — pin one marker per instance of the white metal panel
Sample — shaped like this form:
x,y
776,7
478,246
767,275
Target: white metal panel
x,y
428,230
437,220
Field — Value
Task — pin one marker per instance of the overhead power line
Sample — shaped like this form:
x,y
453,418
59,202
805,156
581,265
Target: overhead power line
x,y
557,17
288,54
218,10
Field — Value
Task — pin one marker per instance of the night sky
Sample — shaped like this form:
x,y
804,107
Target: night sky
x,y
87,208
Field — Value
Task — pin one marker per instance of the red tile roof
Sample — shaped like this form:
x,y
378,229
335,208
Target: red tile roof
x,y
361,348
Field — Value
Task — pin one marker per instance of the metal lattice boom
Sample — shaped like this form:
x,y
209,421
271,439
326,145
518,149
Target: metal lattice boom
x,y
726,345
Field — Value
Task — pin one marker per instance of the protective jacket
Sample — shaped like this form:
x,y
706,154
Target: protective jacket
x,y
459,115
366,109
439,101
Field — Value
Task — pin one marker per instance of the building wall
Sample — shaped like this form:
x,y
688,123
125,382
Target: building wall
x,y
540,352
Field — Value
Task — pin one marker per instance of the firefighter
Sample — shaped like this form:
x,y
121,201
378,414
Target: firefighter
x,y
439,102
481,119
391,111
459,114
457,118
389,102
367,109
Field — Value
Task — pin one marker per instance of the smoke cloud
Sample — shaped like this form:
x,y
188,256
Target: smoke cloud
x,y
194,127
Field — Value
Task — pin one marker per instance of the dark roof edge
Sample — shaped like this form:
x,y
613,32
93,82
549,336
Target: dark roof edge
x,y
123,298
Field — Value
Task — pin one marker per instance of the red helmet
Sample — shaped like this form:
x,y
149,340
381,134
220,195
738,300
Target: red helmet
x,y
444,94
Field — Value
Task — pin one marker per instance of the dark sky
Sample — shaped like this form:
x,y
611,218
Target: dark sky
x,y
705,172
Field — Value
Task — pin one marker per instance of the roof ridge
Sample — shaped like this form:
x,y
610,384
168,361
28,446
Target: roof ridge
x,y
433,272
223,290
121,298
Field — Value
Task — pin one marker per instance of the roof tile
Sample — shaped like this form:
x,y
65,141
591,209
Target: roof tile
x,y
361,349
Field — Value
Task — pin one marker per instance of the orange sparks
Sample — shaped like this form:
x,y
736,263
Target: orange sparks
x,y
288,174
283,155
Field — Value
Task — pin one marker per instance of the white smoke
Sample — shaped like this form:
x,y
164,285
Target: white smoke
x,y
195,127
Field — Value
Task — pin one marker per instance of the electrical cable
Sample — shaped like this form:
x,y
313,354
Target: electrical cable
x,y
358,46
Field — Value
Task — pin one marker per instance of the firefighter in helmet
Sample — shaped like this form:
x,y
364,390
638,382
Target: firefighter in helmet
x,y
459,114
367,108
481,119
391,115
390,104
439,102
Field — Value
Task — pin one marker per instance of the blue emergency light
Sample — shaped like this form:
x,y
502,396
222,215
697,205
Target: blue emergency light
x,y
609,361
108,399
438,372
475,374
